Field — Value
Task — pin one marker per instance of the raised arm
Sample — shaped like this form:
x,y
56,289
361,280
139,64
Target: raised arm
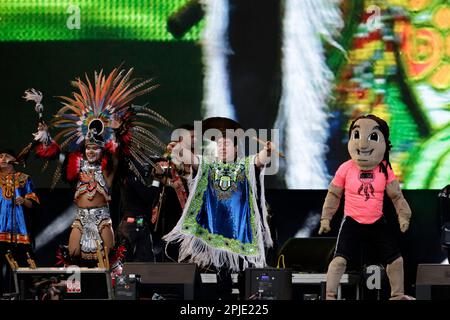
x,y
109,176
264,156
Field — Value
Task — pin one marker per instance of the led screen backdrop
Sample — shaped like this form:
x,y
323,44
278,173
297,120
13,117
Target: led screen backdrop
x,y
65,20
304,67
402,74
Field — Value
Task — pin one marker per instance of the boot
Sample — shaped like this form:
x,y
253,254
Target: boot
x,y
395,274
335,271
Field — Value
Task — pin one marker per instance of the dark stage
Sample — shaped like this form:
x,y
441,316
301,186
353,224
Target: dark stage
x,y
291,211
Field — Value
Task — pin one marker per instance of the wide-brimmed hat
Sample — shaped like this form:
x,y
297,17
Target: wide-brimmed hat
x,y
220,123
9,151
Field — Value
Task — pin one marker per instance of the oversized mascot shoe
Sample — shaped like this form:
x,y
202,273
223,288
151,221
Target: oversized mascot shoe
x,y
330,296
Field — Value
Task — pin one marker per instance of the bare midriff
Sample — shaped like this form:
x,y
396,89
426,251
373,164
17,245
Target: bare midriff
x,y
97,201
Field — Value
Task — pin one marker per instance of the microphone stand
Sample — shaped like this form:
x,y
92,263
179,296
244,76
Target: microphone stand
x,y
162,199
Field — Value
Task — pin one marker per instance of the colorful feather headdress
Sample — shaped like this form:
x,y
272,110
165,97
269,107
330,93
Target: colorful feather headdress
x,y
105,106
102,111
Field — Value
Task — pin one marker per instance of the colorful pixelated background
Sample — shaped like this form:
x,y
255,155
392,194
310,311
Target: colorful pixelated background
x,y
396,65
391,57
401,72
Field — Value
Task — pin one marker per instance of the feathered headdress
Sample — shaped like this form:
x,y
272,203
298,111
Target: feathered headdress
x,y
102,110
105,106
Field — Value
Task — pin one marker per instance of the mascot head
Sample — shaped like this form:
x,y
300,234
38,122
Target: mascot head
x,y
369,143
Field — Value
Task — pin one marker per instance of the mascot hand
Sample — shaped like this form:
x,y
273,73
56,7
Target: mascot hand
x,y
404,224
324,226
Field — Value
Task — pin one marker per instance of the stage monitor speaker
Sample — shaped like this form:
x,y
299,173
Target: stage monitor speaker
x,y
126,287
70,283
433,282
164,281
268,284
308,254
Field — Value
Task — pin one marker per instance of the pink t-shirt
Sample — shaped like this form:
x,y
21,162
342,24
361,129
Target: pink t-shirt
x,y
364,191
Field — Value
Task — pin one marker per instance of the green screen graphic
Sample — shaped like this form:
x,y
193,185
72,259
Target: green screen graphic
x,y
47,20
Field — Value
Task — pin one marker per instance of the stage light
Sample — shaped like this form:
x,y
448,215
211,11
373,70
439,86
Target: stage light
x,y
55,228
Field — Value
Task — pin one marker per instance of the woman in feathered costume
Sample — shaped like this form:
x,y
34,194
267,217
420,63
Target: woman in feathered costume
x,y
98,128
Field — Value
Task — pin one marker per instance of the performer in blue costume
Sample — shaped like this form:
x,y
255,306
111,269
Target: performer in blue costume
x,y
224,223
16,192
16,196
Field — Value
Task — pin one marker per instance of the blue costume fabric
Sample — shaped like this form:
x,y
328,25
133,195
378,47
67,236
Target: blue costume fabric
x,y
12,219
222,220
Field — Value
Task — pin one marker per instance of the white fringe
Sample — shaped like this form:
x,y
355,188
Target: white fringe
x,y
195,250
307,80
266,230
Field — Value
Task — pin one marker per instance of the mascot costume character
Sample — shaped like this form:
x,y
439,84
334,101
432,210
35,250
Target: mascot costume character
x,y
363,180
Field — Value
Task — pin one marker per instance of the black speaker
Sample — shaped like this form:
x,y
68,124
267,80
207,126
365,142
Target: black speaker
x,y
126,287
308,254
71,283
433,282
268,284
164,281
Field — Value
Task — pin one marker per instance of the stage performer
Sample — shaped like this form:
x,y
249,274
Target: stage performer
x,y
364,179
17,197
224,222
135,231
99,128
175,189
